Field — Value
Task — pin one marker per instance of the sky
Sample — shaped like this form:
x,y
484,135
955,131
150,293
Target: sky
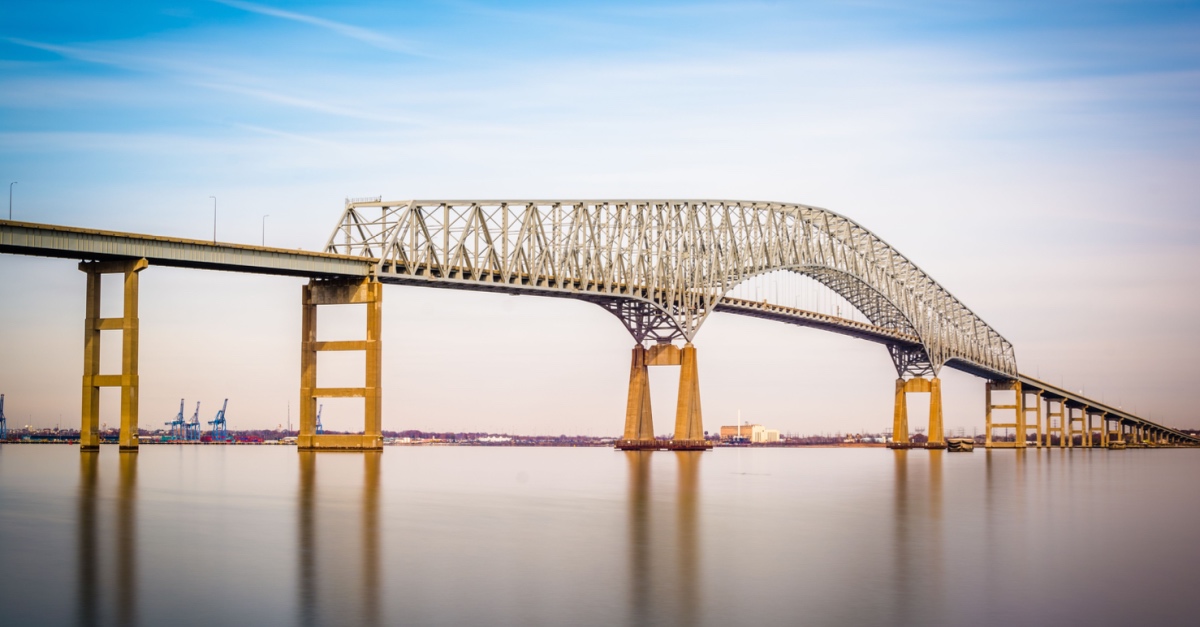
x,y
1039,160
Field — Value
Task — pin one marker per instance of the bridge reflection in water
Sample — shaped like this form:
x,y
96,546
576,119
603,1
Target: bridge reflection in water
x,y
664,559
918,558
339,560
94,601
756,536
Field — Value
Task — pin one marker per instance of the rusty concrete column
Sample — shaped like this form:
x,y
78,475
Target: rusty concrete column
x,y
308,367
373,394
689,426
93,380
341,292
639,422
89,428
1019,401
936,431
1061,414
129,361
900,414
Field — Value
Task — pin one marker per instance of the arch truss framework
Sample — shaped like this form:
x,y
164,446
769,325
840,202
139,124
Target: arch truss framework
x,y
662,266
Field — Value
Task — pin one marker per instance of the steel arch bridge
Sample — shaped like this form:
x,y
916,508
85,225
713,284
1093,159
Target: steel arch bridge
x,y
663,266
660,266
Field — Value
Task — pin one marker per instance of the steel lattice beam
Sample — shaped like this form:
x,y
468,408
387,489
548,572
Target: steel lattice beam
x,y
680,257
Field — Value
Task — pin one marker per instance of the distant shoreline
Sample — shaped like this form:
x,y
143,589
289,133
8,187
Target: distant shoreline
x,y
469,443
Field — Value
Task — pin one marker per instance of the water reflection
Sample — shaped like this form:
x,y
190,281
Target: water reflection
x,y
331,590
86,595
127,541
639,535
918,540
664,560
901,543
89,602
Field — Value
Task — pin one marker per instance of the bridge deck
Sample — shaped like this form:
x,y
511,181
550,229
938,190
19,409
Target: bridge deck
x,y
46,240
1079,400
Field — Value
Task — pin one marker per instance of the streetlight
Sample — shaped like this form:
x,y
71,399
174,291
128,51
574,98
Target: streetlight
x,y
10,199
214,218
264,229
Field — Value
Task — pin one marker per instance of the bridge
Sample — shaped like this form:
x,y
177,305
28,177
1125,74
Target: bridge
x,y
659,266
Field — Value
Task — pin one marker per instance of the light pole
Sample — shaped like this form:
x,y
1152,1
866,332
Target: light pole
x,y
10,199
264,229
214,218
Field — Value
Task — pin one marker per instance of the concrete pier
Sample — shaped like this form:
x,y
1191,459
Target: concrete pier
x,y
341,292
933,387
639,424
127,324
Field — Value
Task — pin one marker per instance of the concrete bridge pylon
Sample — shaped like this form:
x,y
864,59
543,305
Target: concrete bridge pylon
x,y
127,324
931,386
342,292
639,423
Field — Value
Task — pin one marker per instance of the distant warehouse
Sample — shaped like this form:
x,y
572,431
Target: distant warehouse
x,y
754,434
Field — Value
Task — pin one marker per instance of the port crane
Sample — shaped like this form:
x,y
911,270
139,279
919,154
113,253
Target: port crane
x,y
178,425
320,429
219,433
192,428
3,420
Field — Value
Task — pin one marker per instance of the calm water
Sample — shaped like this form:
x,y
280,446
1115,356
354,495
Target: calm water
x,y
520,536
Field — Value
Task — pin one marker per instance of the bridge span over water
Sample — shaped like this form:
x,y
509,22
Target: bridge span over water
x,y
659,266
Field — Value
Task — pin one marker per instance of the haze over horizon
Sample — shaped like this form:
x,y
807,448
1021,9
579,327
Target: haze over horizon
x,y
1038,161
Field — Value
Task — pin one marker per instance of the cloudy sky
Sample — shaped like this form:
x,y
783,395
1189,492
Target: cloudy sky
x,y
1040,160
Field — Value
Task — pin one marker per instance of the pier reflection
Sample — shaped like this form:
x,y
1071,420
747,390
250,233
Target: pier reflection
x,y
918,540
339,544
91,597
87,595
664,559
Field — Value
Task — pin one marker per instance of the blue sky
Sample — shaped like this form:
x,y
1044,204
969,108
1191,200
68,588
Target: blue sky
x,y
1038,159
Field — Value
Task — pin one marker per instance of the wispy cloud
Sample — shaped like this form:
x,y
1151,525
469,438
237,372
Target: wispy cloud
x,y
306,103
367,36
212,78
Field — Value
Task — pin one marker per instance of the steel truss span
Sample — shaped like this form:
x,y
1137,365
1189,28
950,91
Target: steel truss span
x,y
662,266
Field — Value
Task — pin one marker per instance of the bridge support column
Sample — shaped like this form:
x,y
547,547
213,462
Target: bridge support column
x,y
900,416
689,424
366,292
127,324
937,432
639,423
1016,407
1061,414
1072,431
1026,408
1094,431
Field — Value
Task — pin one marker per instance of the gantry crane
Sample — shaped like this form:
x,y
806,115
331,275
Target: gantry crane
x,y
192,428
219,433
177,425
320,429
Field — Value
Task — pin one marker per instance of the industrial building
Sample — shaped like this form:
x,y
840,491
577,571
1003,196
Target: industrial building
x,y
754,434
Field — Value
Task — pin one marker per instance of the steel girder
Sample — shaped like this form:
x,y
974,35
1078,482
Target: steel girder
x,y
680,257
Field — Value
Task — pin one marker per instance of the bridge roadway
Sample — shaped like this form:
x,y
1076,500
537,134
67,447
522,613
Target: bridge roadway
x,y
103,251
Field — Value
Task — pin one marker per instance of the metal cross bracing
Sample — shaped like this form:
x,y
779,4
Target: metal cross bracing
x,y
678,259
